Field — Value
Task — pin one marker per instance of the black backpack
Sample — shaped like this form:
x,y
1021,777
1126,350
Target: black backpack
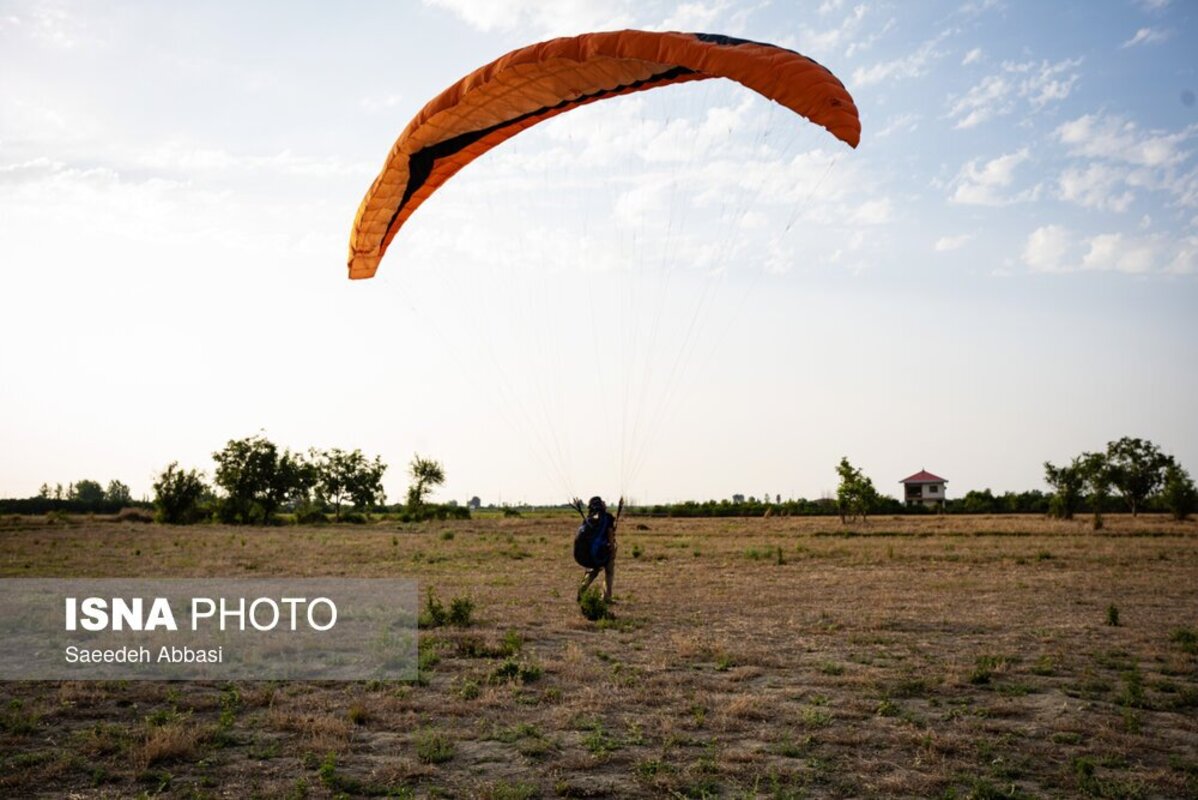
x,y
592,543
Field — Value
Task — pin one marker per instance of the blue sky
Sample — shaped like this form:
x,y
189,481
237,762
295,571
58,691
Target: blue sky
x,y
678,294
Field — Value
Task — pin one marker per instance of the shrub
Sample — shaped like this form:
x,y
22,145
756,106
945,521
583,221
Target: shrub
x,y
433,747
593,606
177,495
1179,494
460,610
434,614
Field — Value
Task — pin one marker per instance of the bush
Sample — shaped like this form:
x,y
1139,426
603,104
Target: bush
x,y
1179,494
177,496
593,606
460,609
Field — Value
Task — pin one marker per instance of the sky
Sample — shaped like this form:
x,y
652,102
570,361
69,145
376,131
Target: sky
x,y
686,293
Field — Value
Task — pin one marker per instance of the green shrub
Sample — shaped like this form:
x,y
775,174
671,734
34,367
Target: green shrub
x,y
460,610
593,606
433,747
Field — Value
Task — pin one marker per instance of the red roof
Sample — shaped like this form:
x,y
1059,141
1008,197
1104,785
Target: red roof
x,y
923,476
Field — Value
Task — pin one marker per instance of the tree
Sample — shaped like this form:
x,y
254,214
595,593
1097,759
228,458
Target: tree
x,y
426,473
342,476
1137,469
1066,483
177,495
257,479
44,492
118,492
1097,474
87,491
855,496
475,503
1178,494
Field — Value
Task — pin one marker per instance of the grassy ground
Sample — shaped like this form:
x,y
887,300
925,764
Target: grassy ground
x,y
780,657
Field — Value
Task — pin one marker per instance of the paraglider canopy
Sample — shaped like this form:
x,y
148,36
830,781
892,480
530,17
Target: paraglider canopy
x,y
535,83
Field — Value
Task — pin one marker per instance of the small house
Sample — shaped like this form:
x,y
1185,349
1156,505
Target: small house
x,y
924,488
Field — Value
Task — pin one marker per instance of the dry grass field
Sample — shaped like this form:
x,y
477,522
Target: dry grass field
x,y
778,657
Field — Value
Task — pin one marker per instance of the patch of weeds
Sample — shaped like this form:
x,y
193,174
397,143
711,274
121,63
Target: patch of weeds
x,y
433,747
698,714
1090,782
429,655
460,611
1045,666
1090,687
17,721
503,790
358,714
831,668
599,742
1015,689
1044,555
815,718
637,552
982,789
468,689
724,662
160,779
1066,737
1132,695
447,536
593,606
789,748
515,670
1112,615
984,669
1186,639
434,614
887,708
651,768
512,643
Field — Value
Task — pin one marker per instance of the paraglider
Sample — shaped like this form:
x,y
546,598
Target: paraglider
x,y
535,83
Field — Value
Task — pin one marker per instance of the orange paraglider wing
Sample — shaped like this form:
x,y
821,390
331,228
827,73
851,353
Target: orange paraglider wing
x,y
534,83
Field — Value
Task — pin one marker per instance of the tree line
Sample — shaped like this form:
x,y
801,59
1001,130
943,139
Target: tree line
x,y
254,480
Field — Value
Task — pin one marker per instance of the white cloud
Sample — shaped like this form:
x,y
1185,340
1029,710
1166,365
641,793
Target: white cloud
x,y
1185,261
1096,186
903,123
1117,139
825,41
1047,248
946,244
982,185
1146,36
1153,5
982,101
872,212
559,17
1114,251
1048,82
995,95
972,57
1055,249
913,65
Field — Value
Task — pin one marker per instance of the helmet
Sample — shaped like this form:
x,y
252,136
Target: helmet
x,y
596,505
